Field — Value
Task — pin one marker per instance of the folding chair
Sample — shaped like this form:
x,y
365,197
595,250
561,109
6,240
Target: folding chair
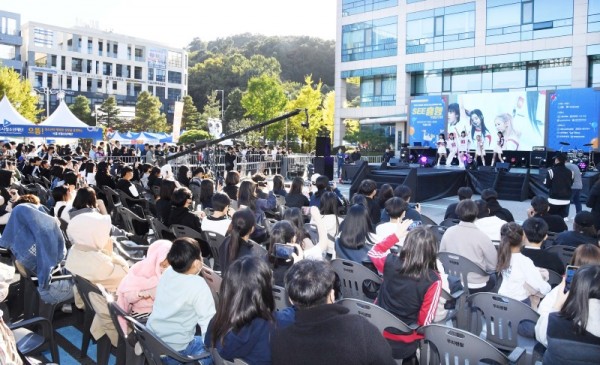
x,y
554,278
129,220
565,253
125,351
214,242
352,278
426,220
213,280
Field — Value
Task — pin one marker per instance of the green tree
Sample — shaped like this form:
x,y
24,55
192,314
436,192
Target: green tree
x,y
352,128
328,112
234,110
148,116
193,135
251,138
212,109
109,114
81,109
19,93
191,117
264,100
309,98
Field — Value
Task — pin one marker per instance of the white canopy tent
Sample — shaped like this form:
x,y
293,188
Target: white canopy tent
x,y
10,115
63,117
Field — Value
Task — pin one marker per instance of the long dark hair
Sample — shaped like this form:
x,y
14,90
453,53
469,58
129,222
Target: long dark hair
x,y
585,286
247,194
242,223
182,175
278,183
297,184
356,228
207,190
511,235
85,198
167,187
246,294
295,218
385,192
281,232
419,253
329,204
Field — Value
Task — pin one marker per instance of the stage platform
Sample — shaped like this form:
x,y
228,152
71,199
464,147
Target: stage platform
x,y
431,183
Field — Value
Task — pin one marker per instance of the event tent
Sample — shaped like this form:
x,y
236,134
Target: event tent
x,y
64,124
9,115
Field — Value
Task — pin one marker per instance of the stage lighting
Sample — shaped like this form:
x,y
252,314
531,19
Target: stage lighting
x,y
582,166
423,160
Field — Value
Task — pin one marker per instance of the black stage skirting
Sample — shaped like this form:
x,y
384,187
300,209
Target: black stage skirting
x,y
436,183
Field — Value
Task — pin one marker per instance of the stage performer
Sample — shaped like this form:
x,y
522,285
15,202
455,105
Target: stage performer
x,y
453,147
441,147
498,149
479,149
463,148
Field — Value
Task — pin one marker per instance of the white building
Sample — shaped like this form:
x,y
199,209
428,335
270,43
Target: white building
x,y
96,64
389,51
10,40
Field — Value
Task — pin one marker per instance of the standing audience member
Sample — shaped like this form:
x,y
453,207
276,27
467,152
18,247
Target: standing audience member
x,y
183,301
575,188
559,180
466,240
536,232
411,283
583,231
320,324
540,208
520,277
464,192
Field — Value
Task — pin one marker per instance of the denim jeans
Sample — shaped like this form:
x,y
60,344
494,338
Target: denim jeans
x,y
194,348
575,199
58,291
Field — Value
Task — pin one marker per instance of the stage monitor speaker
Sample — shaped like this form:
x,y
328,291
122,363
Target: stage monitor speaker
x,y
503,166
536,157
323,147
324,166
485,168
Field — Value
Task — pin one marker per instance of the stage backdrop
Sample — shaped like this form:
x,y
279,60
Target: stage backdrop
x,y
427,119
573,118
519,115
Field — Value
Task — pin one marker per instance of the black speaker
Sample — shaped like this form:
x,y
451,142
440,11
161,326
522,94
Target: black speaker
x,y
323,147
324,166
536,157
485,168
503,166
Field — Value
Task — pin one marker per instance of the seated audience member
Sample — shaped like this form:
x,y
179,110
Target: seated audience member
x,y
328,208
243,326
356,236
85,202
520,277
183,301
491,198
37,243
124,184
368,188
296,219
155,178
411,283
488,224
295,198
220,220
321,183
207,190
247,197
181,214
166,172
466,240
232,179
194,185
540,208
145,174
278,186
464,192
584,255
413,212
384,193
137,290
163,203
396,209
182,175
320,324
238,243
573,334
103,177
583,231
536,231
62,197
261,184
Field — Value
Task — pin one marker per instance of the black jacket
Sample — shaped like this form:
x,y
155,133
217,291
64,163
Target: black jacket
x,y
183,216
544,259
555,222
318,335
565,347
558,181
498,211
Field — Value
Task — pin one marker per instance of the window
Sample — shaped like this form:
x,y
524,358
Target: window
x,y
527,12
63,61
106,69
137,73
351,7
43,37
89,66
100,48
90,46
372,39
447,81
39,79
9,26
174,59
160,92
139,54
119,70
532,74
594,71
174,94
175,77
76,64
69,83
150,74
593,15
160,75
426,83
114,85
53,60
442,28
378,91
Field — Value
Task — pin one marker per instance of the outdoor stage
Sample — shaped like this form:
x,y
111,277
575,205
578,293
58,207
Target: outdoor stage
x,y
431,183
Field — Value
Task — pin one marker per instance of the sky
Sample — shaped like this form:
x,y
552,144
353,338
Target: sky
x,y
176,22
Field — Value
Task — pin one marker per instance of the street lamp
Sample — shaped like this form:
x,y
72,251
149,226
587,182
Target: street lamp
x,y
222,102
60,94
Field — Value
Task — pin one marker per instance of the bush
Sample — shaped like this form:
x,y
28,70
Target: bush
x,y
193,135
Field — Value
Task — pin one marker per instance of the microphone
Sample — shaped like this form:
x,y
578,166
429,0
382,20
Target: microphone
x,y
306,123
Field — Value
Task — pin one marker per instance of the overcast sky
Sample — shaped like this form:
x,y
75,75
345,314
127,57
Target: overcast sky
x,y
177,22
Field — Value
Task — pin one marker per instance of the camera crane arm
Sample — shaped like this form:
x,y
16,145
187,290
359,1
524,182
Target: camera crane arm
x,y
204,143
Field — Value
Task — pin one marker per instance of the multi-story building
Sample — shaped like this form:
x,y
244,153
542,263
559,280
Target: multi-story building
x,y
389,51
95,63
10,40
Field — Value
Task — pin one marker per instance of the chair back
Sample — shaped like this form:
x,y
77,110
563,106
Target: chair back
x,y
160,230
154,348
502,316
549,242
426,220
63,228
281,299
185,231
128,217
449,222
156,190
378,316
312,231
447,345
112,198
213,280
438,232
352,276
218,360
565,253
85,287
214,242
554,278
460,267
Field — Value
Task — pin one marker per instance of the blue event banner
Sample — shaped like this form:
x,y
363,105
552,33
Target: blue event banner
x,y
427,119
573,118
14,130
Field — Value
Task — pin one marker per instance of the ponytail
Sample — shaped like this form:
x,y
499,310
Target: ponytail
x,y
511,236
